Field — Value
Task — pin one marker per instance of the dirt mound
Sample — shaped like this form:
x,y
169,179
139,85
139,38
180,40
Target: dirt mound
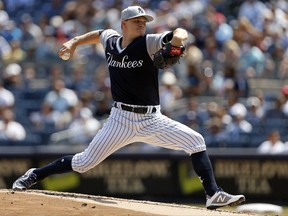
x,y
44,203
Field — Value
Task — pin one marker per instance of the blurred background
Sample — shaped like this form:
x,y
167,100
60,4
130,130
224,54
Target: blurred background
x,y
231,86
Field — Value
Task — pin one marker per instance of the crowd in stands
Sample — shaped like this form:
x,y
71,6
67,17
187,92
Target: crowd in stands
x,y
45,100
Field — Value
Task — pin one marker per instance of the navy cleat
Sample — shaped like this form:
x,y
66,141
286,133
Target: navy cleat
x,y
25,181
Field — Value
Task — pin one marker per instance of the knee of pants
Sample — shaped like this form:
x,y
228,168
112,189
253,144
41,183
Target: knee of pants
x,y
81,165
199,140
198,144
80,169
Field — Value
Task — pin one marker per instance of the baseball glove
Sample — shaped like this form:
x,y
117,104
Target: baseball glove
x,y
168,55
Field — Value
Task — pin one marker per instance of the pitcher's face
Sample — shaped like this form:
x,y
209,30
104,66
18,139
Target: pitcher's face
x,y
135,27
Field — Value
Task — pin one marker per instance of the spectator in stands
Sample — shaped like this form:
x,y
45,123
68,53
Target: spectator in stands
x,y
194,116
7,99
234,82
28,26
259,36
102,109
46,118
12,77
259,93
56,72
216,136
9,128
61,98
86,99
225,82
83,128
274,41
212,54
252,62
196,82
10,31
233,100
169,91
4,16
215,109
254,11
275,116
273,144
275,111
80,82
5,48
283,65
232,52
17,54
255,111
238,124
32,80
224,31
284,91
102,83
48,45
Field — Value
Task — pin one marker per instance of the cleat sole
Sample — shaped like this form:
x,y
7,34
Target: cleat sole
x,y
242,199
237,202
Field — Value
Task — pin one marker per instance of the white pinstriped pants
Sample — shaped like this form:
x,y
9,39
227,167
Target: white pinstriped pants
x,y
123,128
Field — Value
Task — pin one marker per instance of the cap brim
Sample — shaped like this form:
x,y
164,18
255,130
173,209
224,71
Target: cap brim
x,y
148,17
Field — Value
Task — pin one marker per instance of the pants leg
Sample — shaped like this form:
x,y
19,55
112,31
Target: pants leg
x,y
116,133
162,131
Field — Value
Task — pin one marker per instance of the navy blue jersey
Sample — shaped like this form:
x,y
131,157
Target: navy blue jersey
x,y
134,79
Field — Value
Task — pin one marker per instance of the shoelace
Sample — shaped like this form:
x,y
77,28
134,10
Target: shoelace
x,y
31,179
223,192
220,190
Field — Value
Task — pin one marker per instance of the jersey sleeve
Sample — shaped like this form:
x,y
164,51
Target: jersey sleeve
x,y
106,34
155,42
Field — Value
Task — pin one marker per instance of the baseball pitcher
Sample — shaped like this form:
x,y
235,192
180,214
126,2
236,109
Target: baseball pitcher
x,y
133,60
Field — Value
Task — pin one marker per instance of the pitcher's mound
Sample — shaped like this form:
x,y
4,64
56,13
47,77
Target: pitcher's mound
x,y
46,203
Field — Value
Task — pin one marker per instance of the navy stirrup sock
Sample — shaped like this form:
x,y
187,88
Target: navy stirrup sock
x,y
203,168
59,166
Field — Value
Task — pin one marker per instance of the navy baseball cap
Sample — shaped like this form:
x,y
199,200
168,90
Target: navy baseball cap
x,y
133,12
